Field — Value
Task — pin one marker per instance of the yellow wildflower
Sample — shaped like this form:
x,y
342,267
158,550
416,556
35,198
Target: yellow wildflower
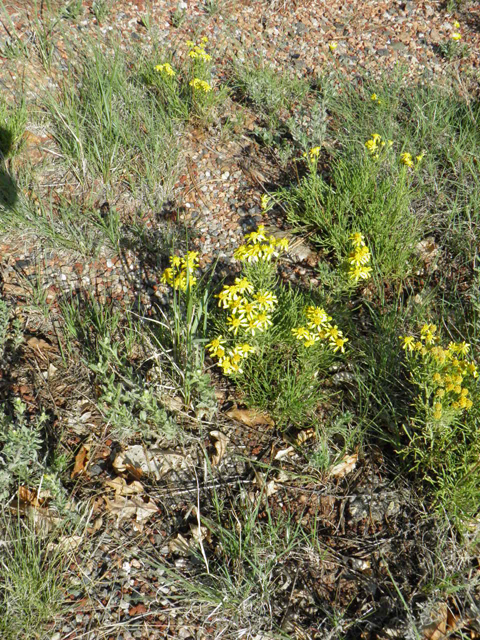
x,y
408,343
215,344
332,46
201,85
456,36
264,201
339,344
406,159
357,239
166,69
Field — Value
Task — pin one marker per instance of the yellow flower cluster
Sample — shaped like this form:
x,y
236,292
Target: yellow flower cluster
x,y
442,370
319,328
250,314
359,258
260,246
375,145
230,361
180,273
375,98
197,51
332,46
202,85
312,155
456,35
407,159
265,202
165,69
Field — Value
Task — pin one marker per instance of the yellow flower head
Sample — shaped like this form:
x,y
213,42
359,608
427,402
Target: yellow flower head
x,y
200,85
215,345
357,239
264,201
406,159
456,36
332,46
408,343
166,69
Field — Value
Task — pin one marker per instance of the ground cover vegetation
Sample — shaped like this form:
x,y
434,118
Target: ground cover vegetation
x,y
370,372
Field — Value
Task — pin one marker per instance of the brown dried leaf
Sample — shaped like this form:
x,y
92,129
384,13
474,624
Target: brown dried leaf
x,y
124,508
28,496
220,444
137,460
346,466
39,345
284,452
122,488
65,544
42,519
250,417
443,626
81,461
179,545
427,249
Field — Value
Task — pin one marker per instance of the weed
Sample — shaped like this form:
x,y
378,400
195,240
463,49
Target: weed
x,y
112,123
178,17
182,330
22,446
73,10
32,581
13,121
101,9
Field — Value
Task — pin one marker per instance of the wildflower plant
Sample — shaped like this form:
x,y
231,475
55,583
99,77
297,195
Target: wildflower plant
x,y
202,92
248,303
453,48
319,329
359,259
188,321
442,442
377,146
408,160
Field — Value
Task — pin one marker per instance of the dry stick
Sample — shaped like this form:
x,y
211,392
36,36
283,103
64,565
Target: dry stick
x,y
200,541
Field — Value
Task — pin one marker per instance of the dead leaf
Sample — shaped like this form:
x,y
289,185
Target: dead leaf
x,y
39,345
29,496
342,468
283,452
138,610
437,630
65,544
443,626
173,403
81,461
157,462
179,545
124,508
123,488
220,444
42,518
427,249
250,417
97,524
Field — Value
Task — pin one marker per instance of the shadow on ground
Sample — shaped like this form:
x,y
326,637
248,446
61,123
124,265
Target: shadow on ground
x,y
8,187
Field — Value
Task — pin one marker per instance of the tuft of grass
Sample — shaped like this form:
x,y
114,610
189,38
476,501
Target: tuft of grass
x,y
13,121
109,125
32,582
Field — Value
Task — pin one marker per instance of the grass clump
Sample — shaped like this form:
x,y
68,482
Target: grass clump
x,y
110,126
32,579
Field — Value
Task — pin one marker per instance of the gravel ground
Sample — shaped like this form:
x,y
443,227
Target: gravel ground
x,y
218,197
